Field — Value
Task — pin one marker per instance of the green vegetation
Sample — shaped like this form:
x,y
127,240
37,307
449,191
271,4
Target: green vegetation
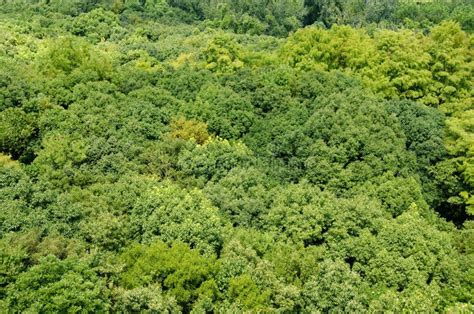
x,y
236,156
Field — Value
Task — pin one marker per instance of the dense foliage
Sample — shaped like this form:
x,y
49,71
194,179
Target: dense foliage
x,y
236,156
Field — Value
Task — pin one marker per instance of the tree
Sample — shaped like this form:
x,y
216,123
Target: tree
x,y
243,195
334,287
170,213
144,299
95,25
182,272
213,160
58,285
18,133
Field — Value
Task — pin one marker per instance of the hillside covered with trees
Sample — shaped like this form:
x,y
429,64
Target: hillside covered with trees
x,y
236,156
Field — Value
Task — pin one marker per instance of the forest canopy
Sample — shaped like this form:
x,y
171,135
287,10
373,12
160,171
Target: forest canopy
x,y
166,156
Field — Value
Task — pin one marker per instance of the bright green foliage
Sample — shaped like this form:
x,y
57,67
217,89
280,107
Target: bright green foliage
x,y
415,264
335,286
222,54
404,65
56,286
340,47
170,213
15,193
451,66
307,215
60,155
213,160
244,292
13,262
166,156
401,64
64,55
144,300
182,272
435,70
96,25
189,129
